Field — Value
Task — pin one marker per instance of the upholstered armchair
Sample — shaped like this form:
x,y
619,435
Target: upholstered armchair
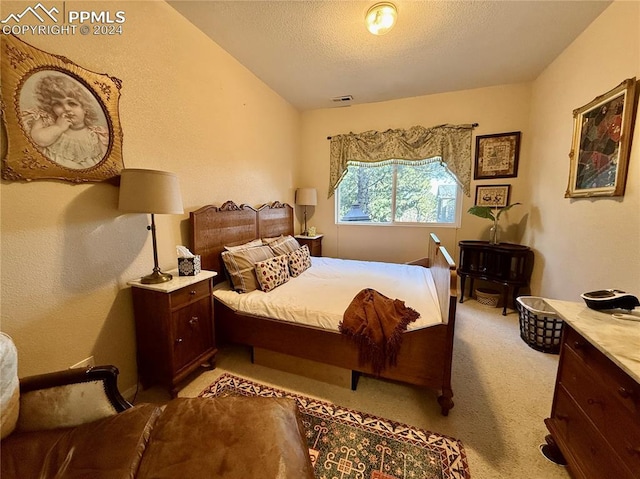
x,y
75,423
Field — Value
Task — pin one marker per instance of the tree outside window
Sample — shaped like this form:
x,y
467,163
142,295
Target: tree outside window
x,y
396,192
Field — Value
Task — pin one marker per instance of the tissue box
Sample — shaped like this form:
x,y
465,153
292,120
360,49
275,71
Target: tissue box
x,y
189,266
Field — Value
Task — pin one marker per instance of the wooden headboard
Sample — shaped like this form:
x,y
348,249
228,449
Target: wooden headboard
x,y
213,228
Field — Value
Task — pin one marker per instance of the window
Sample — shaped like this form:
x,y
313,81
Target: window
x,y
396,192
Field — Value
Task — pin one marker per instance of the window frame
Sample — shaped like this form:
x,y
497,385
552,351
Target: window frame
x,y
393,223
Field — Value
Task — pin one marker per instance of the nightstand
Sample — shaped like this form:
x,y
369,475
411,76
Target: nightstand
x,y
174,328
314,243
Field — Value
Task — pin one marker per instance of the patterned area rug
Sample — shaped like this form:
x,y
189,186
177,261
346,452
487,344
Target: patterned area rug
x,y
346,444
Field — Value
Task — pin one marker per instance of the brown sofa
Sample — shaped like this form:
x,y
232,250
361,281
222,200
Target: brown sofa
x,y
75,424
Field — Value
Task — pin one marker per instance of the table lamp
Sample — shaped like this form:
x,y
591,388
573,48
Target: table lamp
x,y
152,192
306,197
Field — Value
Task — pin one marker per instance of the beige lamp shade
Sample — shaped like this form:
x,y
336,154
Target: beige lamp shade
x,y
149,191
306,197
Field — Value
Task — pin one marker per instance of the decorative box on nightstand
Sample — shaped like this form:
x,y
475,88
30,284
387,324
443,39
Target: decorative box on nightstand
x,y
174,328
314,243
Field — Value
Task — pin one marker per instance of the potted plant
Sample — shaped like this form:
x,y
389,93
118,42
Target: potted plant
x,y
493,213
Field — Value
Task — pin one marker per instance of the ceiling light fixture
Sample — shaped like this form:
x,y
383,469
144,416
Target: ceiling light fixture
x,y
381,18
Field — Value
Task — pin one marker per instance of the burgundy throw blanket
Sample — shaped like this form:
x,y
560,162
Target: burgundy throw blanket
x,y
376,323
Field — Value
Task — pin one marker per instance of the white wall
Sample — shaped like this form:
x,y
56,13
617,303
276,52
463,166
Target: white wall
x,y
187,107
583,244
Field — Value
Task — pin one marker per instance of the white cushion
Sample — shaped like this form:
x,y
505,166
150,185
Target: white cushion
x,y
9,385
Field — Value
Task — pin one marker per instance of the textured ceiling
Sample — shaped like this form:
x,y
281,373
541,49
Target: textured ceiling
x,y
311,51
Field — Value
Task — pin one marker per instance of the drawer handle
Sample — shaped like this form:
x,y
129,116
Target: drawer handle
x,y
592,401
624,392
562,417
179,340
579,344
193,321
192,292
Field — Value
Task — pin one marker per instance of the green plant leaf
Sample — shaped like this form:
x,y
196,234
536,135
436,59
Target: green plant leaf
x,y
489,212
482,212
506,208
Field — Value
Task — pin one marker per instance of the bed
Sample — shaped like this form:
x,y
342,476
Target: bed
x,y
425,356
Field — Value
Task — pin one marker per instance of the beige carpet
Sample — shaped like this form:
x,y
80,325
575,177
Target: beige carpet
x,y
503,391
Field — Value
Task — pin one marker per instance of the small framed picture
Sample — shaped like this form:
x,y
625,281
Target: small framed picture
x,y
601,143
497,155
493,195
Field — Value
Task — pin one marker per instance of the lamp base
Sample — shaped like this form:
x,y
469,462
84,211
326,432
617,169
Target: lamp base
x,y
156,277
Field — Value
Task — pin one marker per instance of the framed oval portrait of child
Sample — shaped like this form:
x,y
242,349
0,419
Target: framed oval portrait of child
x,y
61,121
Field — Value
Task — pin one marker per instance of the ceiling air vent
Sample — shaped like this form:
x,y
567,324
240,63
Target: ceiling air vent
x,y
342,99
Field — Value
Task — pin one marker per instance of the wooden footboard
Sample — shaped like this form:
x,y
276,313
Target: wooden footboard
x,y
425,356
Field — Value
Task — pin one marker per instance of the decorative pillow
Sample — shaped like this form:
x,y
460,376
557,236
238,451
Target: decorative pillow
x,y
241,266
284,245
272,272
250,244
9,385
272,239
299,260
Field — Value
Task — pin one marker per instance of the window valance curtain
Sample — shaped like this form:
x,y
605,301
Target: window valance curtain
x,y
450,144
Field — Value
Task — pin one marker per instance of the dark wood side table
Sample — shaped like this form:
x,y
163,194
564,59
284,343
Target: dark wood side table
x,y
506,264
174,328
314,243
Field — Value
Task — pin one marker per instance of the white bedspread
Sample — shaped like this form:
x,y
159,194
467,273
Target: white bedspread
x,y
321,294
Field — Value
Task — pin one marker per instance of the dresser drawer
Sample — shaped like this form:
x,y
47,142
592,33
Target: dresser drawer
x,y
592,457
604,406
190,293
614,379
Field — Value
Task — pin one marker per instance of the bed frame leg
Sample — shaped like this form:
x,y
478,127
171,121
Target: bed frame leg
x,y
445,401
355,376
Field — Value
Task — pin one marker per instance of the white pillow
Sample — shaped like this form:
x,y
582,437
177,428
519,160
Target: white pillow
x,y
9,385
250,244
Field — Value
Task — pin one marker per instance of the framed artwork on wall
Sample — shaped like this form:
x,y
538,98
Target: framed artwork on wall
x,y
497,155
60,121
602,131
493,195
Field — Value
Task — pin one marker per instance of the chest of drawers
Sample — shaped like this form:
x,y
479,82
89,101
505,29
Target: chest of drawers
x,y
595,417
174,329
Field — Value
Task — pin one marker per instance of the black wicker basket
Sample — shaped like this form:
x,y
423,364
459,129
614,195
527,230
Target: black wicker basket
x,y
540,326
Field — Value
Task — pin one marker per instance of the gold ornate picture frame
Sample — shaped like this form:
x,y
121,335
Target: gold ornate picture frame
x,y
60,120
602,131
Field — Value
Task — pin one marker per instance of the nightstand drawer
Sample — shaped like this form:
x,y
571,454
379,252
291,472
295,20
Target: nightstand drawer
x,y
190,293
